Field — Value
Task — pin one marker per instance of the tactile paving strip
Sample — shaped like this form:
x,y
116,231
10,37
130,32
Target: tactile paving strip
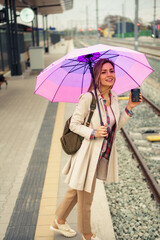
x,y
23,221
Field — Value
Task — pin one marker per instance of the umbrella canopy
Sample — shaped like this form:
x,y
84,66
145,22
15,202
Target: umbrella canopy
x,y
65,79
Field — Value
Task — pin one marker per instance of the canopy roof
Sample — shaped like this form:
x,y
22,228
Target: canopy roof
x,y
45,7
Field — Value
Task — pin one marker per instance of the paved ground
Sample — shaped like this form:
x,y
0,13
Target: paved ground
x,y
31,184
21,116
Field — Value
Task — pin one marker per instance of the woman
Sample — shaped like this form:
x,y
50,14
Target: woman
x,y
97,156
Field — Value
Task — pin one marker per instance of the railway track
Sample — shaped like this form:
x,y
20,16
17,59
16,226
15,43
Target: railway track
x,y
148,170
142,48
152,180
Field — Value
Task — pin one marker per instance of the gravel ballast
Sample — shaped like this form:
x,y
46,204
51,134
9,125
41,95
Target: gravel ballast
x,y
135,214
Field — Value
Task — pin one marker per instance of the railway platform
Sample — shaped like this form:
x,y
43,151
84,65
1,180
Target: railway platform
x,y
31,184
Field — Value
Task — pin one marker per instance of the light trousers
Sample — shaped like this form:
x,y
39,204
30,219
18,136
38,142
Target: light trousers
x,y
84,202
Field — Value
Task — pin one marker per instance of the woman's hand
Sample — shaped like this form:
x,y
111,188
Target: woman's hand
x,y
131,104
101,131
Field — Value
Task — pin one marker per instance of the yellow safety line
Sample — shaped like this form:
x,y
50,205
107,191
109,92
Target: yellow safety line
x,y
123,98
153,138
50,190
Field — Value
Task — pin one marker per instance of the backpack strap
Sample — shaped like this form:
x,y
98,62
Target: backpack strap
x,y
92,108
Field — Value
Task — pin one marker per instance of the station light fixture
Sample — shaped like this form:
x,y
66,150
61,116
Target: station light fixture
x,y
3,15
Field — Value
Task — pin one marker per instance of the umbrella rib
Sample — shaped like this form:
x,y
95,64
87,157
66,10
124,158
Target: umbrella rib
x,y
114,56
49,76
85,70
76,69
96,60
107,52
79,67
59,86
127,74
71,65
126,57
62,82
45,80
66,64
136,61
71,60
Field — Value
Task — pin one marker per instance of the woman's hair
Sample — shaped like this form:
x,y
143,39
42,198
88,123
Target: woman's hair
x,y
97,71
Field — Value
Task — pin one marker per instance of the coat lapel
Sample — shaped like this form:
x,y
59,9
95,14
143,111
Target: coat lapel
x,y
114,106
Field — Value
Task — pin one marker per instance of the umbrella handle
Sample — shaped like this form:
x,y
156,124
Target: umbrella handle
x,y
100,115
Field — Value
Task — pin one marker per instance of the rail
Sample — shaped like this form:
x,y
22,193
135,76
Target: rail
x,y
155,188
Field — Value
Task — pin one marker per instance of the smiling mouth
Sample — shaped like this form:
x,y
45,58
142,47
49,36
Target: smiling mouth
x,y
109,80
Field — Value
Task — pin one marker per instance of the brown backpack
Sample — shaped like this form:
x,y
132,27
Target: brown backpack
x,y
71,142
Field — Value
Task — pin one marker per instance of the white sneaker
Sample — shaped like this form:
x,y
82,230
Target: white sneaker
x,y
64,229
94,237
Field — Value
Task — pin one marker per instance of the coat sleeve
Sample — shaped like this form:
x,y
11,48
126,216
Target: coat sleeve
x,y
124,118
78,118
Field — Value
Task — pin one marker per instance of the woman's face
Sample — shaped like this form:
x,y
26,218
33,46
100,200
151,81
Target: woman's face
x,y
107,76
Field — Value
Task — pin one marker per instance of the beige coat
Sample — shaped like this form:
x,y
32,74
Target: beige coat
x,y
81,167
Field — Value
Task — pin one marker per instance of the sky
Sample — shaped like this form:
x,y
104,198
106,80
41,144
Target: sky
x,y
76,17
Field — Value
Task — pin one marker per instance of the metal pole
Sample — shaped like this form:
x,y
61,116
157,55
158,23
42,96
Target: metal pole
x,y
122,20
108,26
87,22
16,65
88,57
43,32
11,30
37,31
136,27
154,22
33,40
47,50
8,35
118,26
97,20
1,47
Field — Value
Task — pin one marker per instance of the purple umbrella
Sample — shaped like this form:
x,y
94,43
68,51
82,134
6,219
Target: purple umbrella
x,y
65,79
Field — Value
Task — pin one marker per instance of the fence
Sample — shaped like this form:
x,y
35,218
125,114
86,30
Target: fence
x,y
131,34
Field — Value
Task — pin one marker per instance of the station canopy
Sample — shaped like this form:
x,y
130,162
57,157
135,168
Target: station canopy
x,y
44,7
